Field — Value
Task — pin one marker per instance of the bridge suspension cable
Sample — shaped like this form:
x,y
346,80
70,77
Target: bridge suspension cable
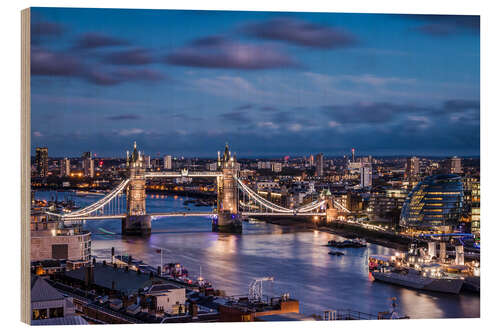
x,y
100,204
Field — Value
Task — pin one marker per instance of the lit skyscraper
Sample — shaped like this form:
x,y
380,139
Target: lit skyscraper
x,y
412,167
65,167
319,164
42,161
366,175
167,162
453,165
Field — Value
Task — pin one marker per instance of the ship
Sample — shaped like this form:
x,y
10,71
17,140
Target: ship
x,y
416,279
356,243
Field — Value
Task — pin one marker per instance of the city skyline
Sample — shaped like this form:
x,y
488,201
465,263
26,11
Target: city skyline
x,y
271,84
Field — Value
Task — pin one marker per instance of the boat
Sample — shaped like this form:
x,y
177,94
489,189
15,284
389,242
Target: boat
x,y
416,279
336,253
348,243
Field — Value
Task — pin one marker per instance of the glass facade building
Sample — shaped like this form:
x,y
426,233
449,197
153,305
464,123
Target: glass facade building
x,y
434,204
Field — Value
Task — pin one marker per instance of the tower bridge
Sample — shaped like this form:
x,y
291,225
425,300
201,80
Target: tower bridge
x,y
235,200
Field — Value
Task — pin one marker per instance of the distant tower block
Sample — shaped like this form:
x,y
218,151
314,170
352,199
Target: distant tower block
x,y
459,255
229,220
136,222
432,249
442,251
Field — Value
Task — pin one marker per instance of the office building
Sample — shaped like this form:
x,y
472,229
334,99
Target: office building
x,y
319,165
435,204
65,167
276,167
88,167
42,161
366,175
412,167
147,162
453,165
167,162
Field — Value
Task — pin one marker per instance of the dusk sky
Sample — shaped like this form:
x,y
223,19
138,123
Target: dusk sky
x,y
270,84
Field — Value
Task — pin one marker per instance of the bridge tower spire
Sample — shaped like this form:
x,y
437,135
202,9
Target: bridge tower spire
x,y
137,222
229,219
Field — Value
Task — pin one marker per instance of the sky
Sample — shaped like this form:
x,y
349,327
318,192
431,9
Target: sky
x,y
268,83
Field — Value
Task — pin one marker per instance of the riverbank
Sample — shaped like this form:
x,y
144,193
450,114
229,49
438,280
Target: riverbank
x,y
344,230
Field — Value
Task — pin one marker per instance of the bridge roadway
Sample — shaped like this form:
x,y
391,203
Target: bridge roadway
x,y
182,173
185,214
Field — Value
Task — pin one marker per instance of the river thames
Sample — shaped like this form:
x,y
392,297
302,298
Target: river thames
x,y
297,259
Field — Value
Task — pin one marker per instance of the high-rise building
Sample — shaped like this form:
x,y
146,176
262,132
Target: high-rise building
x,y
353,157
366,175
167,162
147,162
276,167
453,165
42,161
412,167
65,167
319,164
435,204
88,167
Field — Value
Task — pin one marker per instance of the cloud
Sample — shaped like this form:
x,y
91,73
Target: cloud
x,y
219,52
123,75
446,25
410,115
268,125
48,63
124,117
367,79
236,116
372,113
37,134
461,105
302,33
45,28
93,40
244,107
130,132
44,62
136,56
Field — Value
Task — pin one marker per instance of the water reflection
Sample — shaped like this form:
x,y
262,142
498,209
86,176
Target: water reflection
x,y
298,260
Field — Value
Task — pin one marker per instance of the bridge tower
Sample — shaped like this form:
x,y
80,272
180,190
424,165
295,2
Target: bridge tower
x,y
332,213
137,222
229,219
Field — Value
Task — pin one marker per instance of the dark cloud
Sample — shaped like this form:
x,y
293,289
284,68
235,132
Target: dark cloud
x,y
302,33
48,63
124,117
405,117
446,25
94,40
123,75
236,116
372,113
461,105
219,52
269,108
137,56
244,107
44,62
46,29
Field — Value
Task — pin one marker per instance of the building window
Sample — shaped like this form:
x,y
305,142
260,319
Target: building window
x,y
56,312
39,314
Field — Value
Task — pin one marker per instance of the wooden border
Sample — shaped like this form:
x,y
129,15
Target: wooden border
x,y
25,166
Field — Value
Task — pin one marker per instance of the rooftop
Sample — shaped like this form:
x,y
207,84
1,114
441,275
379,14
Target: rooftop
x,y
125,281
